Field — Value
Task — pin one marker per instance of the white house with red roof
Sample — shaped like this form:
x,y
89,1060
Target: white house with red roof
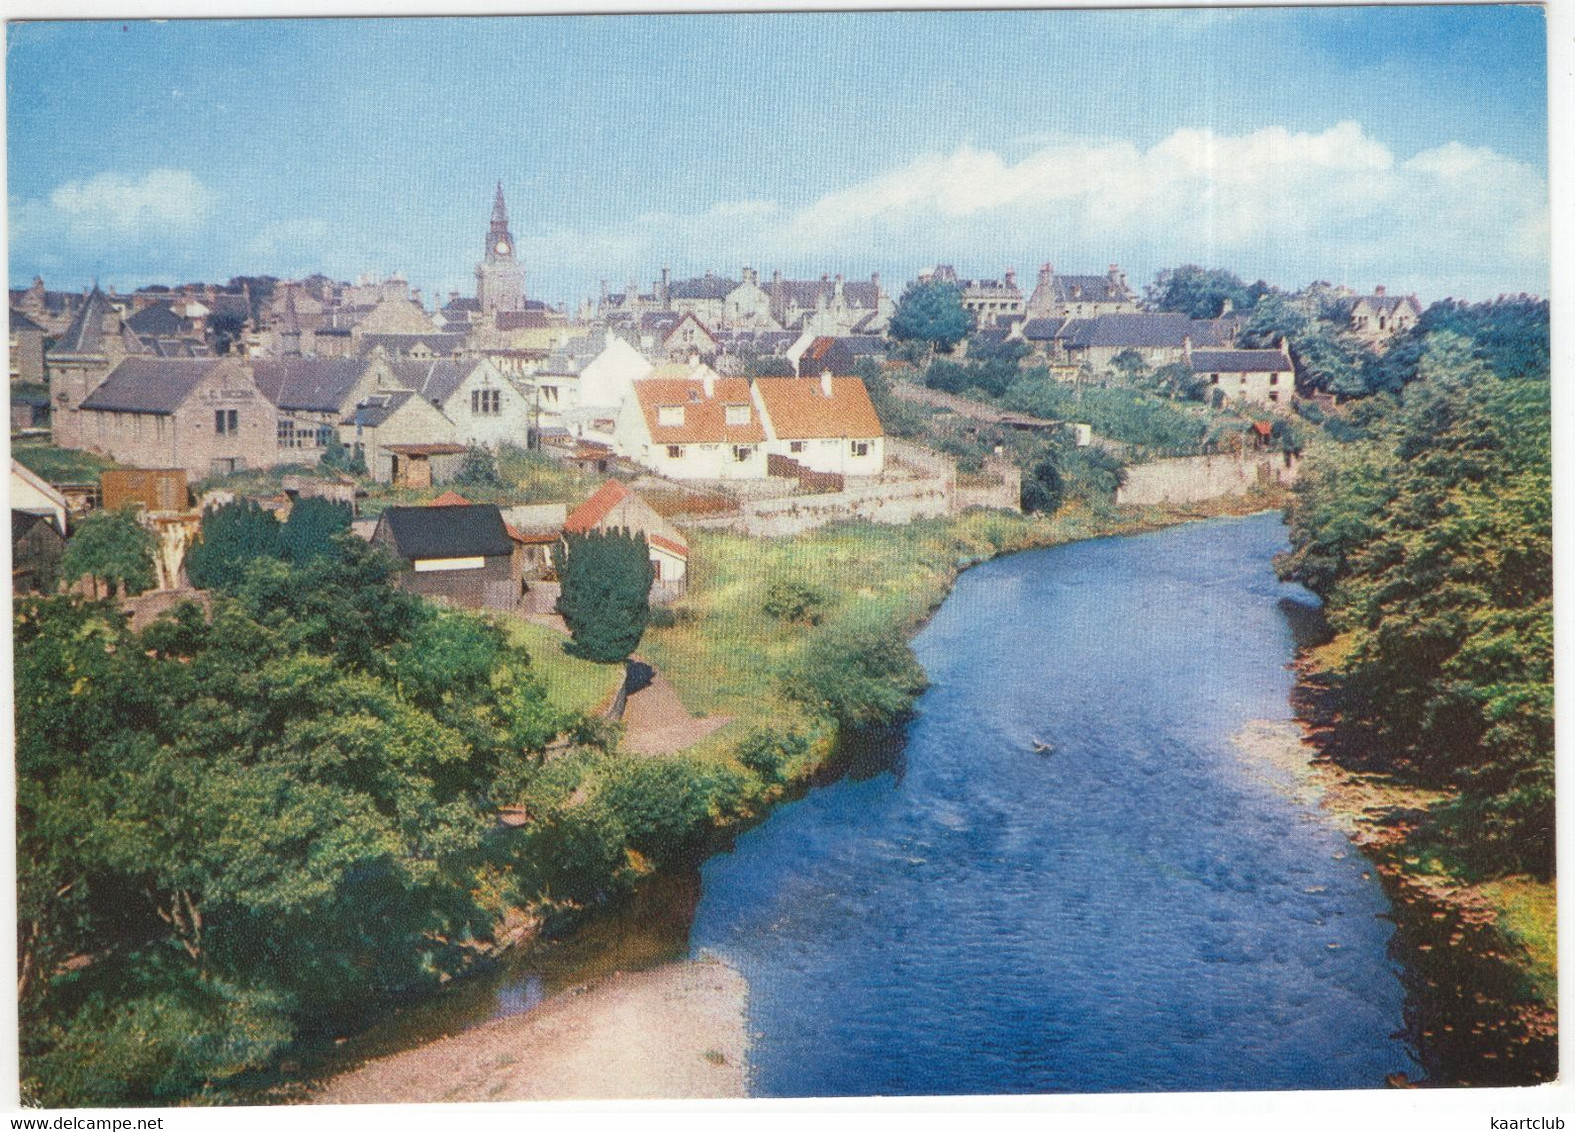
x,y
615,507
702,427
825,423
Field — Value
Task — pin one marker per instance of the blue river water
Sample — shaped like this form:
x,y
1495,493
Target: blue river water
x,y
1132,912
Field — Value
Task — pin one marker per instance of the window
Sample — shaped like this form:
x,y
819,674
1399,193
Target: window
x,y
324,435
486,402
226,421
1214,379
742,452
795,446
1274,379
286,434
861,448
671,415
549,393
675,451
1244,379
737,414
1274,394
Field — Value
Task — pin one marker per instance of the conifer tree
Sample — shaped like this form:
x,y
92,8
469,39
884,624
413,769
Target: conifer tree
x,y
606,578
233,536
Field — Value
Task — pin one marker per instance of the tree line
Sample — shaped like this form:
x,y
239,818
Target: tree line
x,y
1424,520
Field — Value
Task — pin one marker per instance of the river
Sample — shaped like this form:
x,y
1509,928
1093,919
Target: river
x,y
1135,911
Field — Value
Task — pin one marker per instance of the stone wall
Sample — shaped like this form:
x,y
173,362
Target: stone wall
x,y
1192,479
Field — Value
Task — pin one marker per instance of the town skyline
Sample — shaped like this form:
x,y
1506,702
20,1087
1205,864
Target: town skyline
x,y
1360,147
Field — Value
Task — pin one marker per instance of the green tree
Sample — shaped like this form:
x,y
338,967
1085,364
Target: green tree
x,y
233,536
478,468
310,530
338,457
932,313
1199,292
111,547
606,578
860,673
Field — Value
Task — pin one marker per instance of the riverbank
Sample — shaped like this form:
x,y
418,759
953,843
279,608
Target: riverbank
x,y
1479,958
675,1031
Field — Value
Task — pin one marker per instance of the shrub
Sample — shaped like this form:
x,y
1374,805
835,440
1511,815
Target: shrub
x,y
794,601
862,675
768,753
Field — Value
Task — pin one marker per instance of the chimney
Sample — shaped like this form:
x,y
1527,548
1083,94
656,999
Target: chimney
x,y
1379,290
1115,273
604,291
1046,271
708,382
751,276
776,277
836,290
825,384
1011,277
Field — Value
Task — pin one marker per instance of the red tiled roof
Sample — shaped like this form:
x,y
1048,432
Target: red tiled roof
x,y
1263,428
800,410
705,418
450,499
595,509
668,544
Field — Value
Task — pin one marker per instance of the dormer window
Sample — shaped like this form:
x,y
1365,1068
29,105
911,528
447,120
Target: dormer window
x,y
738,414
670,415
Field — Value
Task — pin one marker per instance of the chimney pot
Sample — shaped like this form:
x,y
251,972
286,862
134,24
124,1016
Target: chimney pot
x,y
825,384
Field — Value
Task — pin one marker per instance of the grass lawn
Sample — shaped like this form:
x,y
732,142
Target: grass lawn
x,y
724,651
572,683
1528,915
60,465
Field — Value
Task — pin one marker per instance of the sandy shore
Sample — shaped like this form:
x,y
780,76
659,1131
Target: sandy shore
x,y
676,1031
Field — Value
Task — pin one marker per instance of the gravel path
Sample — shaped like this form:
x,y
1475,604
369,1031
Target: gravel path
x,y
655,721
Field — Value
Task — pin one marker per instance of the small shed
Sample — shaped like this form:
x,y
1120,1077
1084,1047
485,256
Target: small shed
x,y
460,553
36,547
152,489
422,465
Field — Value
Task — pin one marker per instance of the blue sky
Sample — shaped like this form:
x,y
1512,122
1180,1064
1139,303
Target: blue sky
x,y
1399,145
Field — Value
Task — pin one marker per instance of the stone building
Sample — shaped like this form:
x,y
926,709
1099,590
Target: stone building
x,y
1263,377
27,348
95,342
1080,296
1380,316
205,415
500,278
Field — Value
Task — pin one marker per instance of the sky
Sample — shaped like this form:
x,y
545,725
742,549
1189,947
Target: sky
x,y
1405,146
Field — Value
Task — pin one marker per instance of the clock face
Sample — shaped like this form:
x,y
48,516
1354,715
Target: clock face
x,y
503,247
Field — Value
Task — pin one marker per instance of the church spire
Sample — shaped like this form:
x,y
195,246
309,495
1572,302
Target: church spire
x,y
500,211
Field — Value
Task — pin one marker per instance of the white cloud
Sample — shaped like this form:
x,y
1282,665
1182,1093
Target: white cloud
x,y
118,208
1289,206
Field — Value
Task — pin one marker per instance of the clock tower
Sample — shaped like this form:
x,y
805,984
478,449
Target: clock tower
x,y
500,280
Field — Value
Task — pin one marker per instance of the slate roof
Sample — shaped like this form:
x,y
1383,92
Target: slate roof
x,y
159,321
705,418
474,530
436,380
404,343
703,287
800,410
20,321
24,521
805,292
1239,361
1122,330
150,385
378,408
522,320
85,335
1385,304
1088,289
315,385
1214,331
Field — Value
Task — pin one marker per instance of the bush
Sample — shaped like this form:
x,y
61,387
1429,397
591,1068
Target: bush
x,y
667,806
794,601
606,577
478,468
768,753
862,675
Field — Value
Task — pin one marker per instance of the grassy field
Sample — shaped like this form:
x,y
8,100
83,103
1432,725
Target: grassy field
x,y
60,465
1528,915
724,652
572,683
